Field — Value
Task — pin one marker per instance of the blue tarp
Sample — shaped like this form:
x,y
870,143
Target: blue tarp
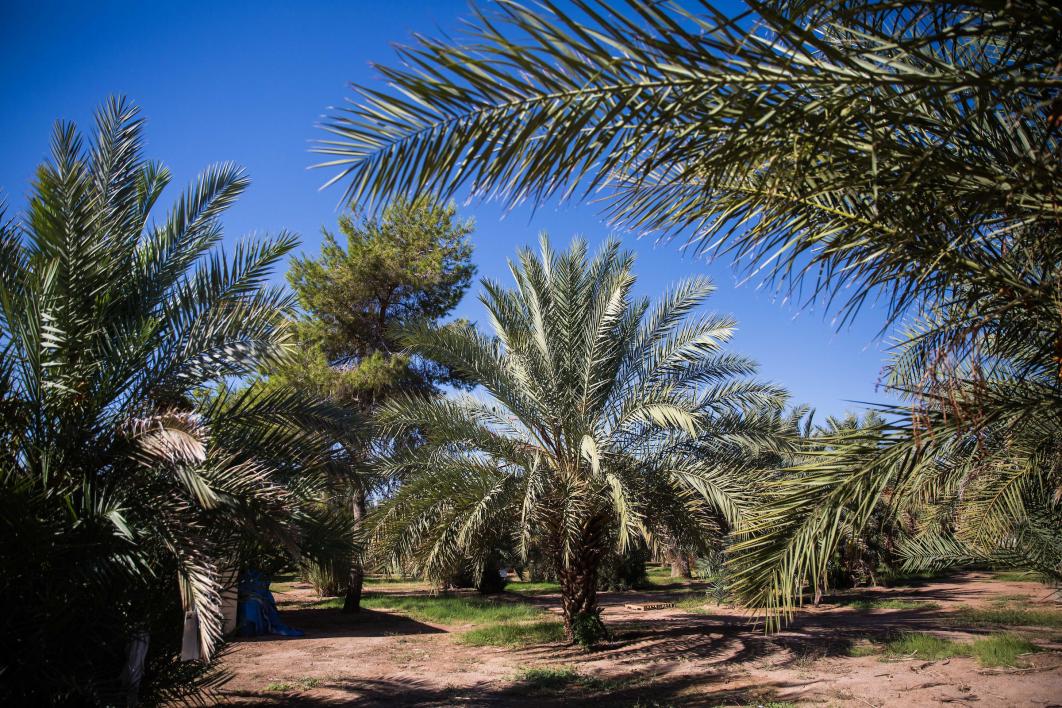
x,y
256,613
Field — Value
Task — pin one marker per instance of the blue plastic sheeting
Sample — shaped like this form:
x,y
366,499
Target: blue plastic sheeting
x,y
256,613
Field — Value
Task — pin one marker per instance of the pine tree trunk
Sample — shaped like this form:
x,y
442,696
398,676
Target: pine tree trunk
x,y
352,602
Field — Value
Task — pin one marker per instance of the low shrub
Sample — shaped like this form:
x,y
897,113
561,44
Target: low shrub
x,y
588,629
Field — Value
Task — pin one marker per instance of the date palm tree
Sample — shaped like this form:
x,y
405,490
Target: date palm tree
x,y
603,420
848,151
131,473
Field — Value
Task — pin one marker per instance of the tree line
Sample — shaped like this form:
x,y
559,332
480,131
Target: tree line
x,y
170,417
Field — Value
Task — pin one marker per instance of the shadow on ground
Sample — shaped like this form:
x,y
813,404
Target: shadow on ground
x,y
688,690
320,623
650,653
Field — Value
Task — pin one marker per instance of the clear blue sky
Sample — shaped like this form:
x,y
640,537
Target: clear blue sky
x,y
249,81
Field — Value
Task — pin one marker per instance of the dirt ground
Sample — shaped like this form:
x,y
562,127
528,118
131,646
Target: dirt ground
x,y
658,658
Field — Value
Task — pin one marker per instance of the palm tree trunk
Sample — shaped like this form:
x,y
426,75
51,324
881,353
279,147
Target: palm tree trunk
x,y
680,562
578,593
578,581
352,602
1058,354
133,672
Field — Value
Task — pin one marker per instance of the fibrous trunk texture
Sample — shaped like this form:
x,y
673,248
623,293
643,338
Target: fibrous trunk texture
x,y
578,581
680,562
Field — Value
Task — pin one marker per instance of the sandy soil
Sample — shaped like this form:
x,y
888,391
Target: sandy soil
x,y
658,658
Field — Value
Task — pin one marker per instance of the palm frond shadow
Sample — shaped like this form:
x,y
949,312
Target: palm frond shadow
x,y
405,691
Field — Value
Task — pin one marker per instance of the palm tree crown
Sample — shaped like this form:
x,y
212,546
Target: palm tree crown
x,y
125,462
598,412
851,150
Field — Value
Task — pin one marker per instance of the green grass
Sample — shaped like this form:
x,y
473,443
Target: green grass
x,y
925,646
895,603
283,686
657,580
657,577
863,650
332,603
283,582
392,580
995,650
505,634
554,679
533,588
548,678
504,624
446,609
1002,650
280,687
1008,617
1020,600
696,602
453,609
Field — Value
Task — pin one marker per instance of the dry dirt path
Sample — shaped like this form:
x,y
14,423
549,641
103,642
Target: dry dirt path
x,y
661,657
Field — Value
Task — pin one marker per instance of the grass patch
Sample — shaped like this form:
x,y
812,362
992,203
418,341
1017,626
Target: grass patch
x,y
554,679
452,609
280,687
696,602
660,576
548,678
533,588
504,624
894,603
1002,650
283,582
919,645
657,578
1008,617
332,603
1020,601
306,682
396,581
863,650
514,635
996,650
